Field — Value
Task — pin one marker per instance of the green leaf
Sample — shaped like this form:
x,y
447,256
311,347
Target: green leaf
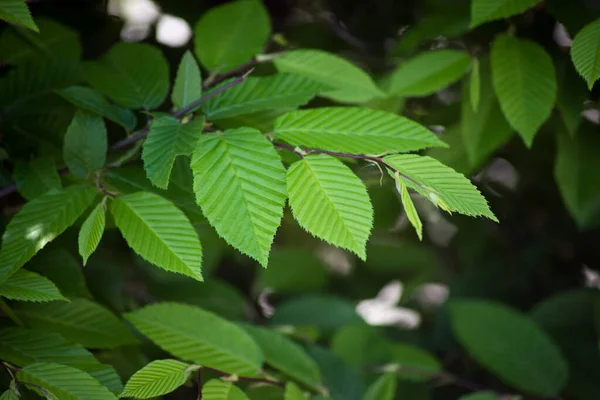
x,y
22,346
37,177
134,75
157,378
39,222
63,382
485,129
286,356
55,41
585,52
475,84
384,388
443,186
231,34
10,394
353,130
488,329
420,365
91,231
16,12
159,232
81,321
188,82
193,334
330,202
572,95
239,183
216,389
480,396
342,382
90,100
261,94
409,206
28,286
429,72
293,392
294,271
63,270
348,83
576,159
85,144
167,139
525,82
483,11
261,120
361,346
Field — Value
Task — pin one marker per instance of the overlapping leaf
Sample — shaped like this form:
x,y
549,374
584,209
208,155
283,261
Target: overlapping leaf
x,y
216,389
90,100
285,355
157,378
167,139
384,388
409,206
16,11
348,83
10,394
239,183
64,382
134,75
488,330
429,72
63,270
28,286
525,82
260,94
353,130
36,177
21,347
81,321
442,185
39,222
85,144
188,82
488,10
293,392
330,202
91,231
193,334
231,34
585,53
159,232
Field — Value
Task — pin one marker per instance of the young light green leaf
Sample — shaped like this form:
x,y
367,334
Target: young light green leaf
x,y
260,94
64,382
39,222
348,83
429,72
216,389
16,12
55,41
159,232
443,186
80,320
475,84
91,231
188,82
36,177
525,82
28,286
193,334
485,129
353,130
90,100
157,378
230,34
285,355
487,329
167,139
22,347
585,53
330,202
384,388
85,144
483,11
239,183
134,75
293,392
409,206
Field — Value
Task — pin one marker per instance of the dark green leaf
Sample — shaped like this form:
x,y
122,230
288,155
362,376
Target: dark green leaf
x,y
188,82
85,144
36,177
16,11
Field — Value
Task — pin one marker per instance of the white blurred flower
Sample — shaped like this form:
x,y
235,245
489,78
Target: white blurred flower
x,y
592,278
137,11
132,32
591,115
382,310
336,259
561,36
431,295
173,31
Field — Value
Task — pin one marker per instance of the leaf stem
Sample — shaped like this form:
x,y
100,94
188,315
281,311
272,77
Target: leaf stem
x,y
247,379
10,313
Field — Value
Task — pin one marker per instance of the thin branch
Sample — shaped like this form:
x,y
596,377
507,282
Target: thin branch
x,y
241,70
248,379
10,314
199,382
